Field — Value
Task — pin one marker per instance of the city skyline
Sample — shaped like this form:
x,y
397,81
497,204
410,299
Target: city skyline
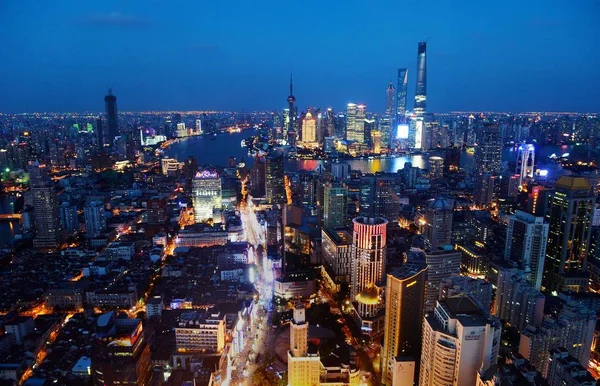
x,y
164,57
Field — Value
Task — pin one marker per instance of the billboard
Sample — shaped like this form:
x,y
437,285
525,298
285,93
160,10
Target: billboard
x,y
402,131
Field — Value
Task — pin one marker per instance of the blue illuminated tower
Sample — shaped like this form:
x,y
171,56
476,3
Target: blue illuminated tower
x,y
421,92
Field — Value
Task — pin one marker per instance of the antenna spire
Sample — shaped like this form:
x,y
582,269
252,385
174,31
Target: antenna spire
x,y
291,84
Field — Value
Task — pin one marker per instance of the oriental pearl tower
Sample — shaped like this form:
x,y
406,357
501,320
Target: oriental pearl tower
x,y
291,129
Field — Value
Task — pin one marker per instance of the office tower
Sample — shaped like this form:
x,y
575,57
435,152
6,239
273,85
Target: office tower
x,y
330,123
95,219
402,95
489,189
441,265
477,289
385,127
304,364
421,92
488,153
518,302
436,168
355,123
309,130
99,133
274,179
340,171
286,123
68,217
335,206
121,353
389,99
459,339
206,194
570,210
112,120
525,163
376,141
438,223
45,204
526,240
181,130
565,369
404,305
416,133
291,118
337,253
572,329
340,123
198,126
201,331
409,175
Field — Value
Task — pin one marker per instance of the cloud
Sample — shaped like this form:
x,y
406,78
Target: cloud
x,y
115,19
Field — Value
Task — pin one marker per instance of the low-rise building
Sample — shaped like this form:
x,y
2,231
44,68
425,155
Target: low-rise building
x,y
200,331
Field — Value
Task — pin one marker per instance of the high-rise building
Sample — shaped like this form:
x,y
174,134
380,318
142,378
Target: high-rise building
x,y
68,217
291,118
438,223
526,240
570,212
442,264
201,331
565,369
337,253
459,339
518,302
477,289
525,163
112,119
376,141
95,219
99,133
488,153
421,92
335,206
384,126
304,364
436,168
404,304
309,130
355,123
45,204
389,99
121,353
206,194
402,95
274,179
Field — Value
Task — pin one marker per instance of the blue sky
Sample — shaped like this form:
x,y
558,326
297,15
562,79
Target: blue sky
x,y
237,54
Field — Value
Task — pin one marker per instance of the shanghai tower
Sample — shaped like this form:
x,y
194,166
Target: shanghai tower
x,y
421,92
110,103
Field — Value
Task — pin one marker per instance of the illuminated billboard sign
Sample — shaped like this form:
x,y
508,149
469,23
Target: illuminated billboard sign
x,y
402,131
206,174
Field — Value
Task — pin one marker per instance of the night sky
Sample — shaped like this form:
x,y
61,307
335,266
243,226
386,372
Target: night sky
x,y
516,55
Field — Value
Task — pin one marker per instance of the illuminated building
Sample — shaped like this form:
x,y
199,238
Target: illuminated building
x,y
489,189
206,194
402,95
69,218
290,122
304,364
335,203
416,133
525,163
526,240
404,305
477,289
355,123
570,211
95,219
337,253
517,301
376,140
441,265
389,99
309,130
474,259
45,204
459,339
436,168
368,268
169,166
438,223
488,153
565,369
181,130
200,331
421,92
112,119
121,353
198,126
385,128
274,179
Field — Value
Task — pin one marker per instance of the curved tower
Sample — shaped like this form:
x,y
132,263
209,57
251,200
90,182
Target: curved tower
x,y
368,257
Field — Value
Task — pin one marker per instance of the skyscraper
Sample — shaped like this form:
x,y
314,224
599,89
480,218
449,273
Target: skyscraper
x,y
112,120
309,130
274,179
304,365
355,123
404,304
570,211
525,162
95,219
526,240
68,217
488,153
402,95
421,92
389,99
99,133
291,121
458,340
45,204
438,223
206,194
335,206
442,264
